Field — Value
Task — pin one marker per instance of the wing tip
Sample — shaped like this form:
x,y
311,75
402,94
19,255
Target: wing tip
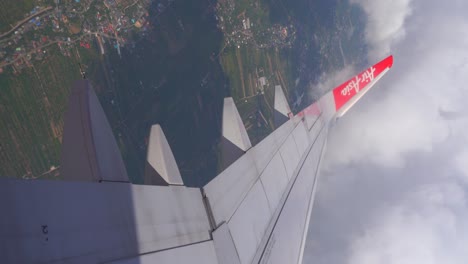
x,y
348,93
389,60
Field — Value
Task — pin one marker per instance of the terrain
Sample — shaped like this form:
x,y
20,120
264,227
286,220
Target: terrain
x,y
168,62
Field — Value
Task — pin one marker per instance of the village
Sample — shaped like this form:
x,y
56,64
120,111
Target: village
x,y
241,28
251,57
73,25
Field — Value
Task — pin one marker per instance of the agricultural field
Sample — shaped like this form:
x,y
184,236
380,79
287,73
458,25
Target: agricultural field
x,y
245,68
32,104
12,11
169,63
255,59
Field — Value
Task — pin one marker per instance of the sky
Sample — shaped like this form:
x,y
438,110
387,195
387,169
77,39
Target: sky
x,y
394,180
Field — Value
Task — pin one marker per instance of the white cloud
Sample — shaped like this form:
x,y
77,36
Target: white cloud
x,y
429,74
397,167
461,163
385,24
328,80
428,227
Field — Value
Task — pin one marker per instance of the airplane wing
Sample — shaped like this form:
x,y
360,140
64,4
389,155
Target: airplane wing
x,y
256,210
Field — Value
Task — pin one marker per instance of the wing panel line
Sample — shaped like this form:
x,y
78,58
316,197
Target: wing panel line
x,y
311,200
270,229
259,174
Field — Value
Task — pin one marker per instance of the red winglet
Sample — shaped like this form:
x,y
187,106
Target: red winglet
x,y
343,93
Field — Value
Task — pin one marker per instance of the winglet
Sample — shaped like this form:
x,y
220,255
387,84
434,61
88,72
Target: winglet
x,y
347,94
161,167
282,109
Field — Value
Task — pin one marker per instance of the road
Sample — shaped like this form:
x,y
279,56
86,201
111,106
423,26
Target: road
x,y
3,63
42,12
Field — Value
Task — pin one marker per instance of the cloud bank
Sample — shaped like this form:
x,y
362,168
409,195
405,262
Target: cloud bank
x,y
404,115
395,177
385,24
428,226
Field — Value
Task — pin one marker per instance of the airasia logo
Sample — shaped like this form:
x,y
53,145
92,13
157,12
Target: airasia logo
x,y
347,90
355,84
